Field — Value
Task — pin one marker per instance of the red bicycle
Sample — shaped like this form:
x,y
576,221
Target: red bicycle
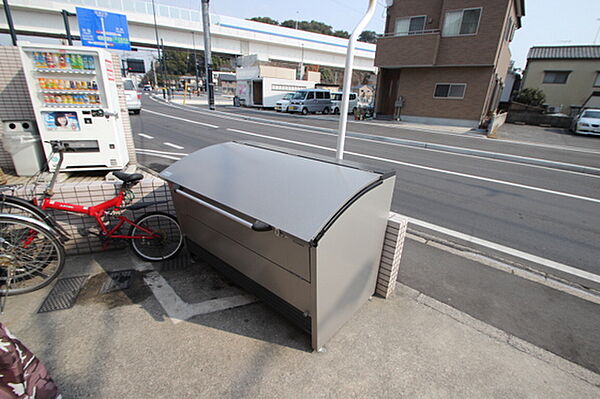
x,y
154,236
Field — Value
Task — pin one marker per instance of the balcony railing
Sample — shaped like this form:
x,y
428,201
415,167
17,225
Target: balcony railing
x,y
413,33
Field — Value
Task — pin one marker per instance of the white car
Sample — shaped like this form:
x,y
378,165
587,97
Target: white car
x,y
283,104
336,100
134,99
587,122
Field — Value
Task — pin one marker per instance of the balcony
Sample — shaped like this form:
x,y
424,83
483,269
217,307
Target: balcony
x,y
412,49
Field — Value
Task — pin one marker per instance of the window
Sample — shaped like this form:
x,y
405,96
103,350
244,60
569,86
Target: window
x,y
597,82
462,22
450,90
509,30
310,96
591,114
410,25
352,96
326,95
128,85
558,77
319,95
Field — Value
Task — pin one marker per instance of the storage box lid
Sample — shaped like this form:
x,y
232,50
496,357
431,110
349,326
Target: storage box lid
x,y
293,193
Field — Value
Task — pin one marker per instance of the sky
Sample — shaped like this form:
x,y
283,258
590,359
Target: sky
x,y
546,22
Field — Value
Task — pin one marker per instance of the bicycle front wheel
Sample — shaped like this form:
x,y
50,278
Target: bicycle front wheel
x,y
160,237
30,255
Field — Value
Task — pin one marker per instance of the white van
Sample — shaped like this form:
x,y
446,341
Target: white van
x,y
336,100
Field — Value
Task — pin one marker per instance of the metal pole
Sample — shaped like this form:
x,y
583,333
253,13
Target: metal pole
x,y
156,33
163,67
207,54
11,25
196,65
66,15
339,155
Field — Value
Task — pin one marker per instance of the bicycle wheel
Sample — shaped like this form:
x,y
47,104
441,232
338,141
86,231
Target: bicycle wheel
x,y
30,254
167,240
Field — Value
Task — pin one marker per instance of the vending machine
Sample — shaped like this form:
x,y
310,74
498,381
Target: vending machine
x,y
75,100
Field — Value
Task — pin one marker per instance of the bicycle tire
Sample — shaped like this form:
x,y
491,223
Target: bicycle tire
x,y
12,205
154,250
37,264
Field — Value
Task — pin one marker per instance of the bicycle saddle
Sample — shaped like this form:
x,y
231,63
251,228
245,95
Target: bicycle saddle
x,y
128,177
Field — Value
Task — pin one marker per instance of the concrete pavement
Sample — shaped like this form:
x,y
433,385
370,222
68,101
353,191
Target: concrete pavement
x,y
123,344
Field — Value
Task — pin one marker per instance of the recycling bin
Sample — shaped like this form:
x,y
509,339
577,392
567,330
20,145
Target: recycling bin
x,y
23,143
302,232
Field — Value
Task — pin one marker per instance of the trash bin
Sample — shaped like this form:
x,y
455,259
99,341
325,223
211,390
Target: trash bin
x,y
23,143
303,233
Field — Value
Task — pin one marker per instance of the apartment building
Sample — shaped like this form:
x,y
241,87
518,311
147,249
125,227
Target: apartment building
x,y
567,75
445,61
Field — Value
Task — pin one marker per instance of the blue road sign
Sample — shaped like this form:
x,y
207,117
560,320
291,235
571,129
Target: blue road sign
x,y
103,29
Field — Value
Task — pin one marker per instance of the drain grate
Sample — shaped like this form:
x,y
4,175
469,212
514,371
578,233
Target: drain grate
x,y
116,281
63,294
180,262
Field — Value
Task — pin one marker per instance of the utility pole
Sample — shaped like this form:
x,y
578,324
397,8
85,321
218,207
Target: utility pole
x,y
156,35
66,14
11,25
207,55
163,67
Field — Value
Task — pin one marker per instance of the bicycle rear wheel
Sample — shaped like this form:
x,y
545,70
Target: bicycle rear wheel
x,y
11,205
30,255
166,240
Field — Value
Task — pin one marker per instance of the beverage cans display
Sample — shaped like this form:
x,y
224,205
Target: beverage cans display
x,y
64,61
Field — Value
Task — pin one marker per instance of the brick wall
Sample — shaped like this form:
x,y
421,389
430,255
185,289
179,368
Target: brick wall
x,y
15,103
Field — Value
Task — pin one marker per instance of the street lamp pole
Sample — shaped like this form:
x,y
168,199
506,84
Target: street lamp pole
x,y
348,78
156,35
9,20
207,54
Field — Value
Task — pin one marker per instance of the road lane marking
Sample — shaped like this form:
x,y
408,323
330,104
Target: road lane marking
x,y
163,152
507,250
158,155
413,144
146,136
186,120
458,174
177,147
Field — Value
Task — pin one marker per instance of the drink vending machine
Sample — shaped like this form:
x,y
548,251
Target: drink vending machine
x,y
75,100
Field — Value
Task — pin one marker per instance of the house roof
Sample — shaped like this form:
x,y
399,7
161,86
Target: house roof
x,y
564,53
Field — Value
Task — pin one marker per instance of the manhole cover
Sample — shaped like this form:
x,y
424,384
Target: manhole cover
x,y
116,281
63,294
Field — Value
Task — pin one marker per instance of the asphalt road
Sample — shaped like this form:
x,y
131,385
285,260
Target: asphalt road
x,y
546,212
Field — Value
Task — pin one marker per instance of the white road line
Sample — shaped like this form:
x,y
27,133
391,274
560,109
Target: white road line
x,y
163,152
186,120
507,250
177,147
157,155
146,136
383,141
496,181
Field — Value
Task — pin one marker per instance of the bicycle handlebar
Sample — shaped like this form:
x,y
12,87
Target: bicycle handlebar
x,y
59,146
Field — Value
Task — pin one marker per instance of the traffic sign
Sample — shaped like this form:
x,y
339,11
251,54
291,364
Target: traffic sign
x,y
103,29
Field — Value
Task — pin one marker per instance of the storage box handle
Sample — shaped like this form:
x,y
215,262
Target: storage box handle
x,y
256,226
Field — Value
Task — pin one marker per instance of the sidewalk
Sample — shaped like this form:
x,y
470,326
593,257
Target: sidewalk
x,y
125,344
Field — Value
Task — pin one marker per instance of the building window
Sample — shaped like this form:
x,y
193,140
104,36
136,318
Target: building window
x,y
450,90
462,22
597,81
410,25
509,30
558,77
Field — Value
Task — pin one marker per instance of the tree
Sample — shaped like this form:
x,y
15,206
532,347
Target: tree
x,y
341,33
368,36
264,20
529,96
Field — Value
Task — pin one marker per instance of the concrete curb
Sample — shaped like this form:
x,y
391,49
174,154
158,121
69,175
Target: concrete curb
x,y
438,147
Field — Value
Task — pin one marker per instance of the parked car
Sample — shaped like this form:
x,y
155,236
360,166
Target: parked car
x,y
587,122
283,104
147,87
134,99
311,100
336,100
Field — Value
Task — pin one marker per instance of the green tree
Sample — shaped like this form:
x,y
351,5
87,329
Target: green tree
x,y
341,33
368,36
264,20
529,96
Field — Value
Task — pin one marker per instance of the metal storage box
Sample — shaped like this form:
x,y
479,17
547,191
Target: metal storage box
x,y
303,233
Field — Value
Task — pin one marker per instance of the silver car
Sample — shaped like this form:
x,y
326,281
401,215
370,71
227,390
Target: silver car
x,y
587,122
134,99
311,100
